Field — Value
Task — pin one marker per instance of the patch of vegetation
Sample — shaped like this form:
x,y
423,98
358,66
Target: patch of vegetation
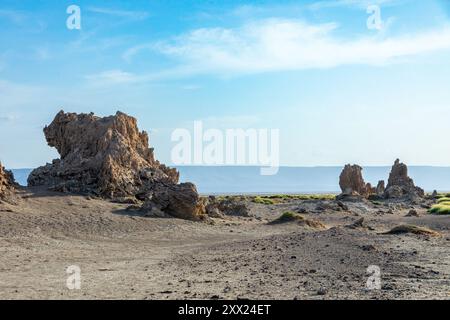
x,y
443,199
442,195
262,200
229,198
300,197
316,197
290,216
403,229
441,208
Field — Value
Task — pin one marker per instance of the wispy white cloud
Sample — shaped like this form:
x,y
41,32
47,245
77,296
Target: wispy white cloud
x,y
42,53
227,122
24,19
90,42
191,87
282,45
15,16
8,117
3,61
362,4
112,77
129,54
18,96
132,15
121,77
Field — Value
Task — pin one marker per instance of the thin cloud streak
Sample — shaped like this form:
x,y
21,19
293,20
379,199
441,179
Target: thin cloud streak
x,y
274,45
15,16
361,4
132,15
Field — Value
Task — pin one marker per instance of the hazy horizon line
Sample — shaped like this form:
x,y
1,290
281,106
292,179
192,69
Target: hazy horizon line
x,y
282,166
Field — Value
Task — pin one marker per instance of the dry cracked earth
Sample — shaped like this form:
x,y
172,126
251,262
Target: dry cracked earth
x,y
123,255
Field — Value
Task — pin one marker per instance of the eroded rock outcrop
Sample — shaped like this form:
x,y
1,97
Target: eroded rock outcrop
x,y
104,156
177,200
229,207
352,183
109,157
400,184
381,188
7,183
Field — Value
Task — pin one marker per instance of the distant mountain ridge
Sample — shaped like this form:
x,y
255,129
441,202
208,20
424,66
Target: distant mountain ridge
x,y
247,180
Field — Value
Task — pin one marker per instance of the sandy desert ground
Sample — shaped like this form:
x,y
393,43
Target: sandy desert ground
x,y
123,255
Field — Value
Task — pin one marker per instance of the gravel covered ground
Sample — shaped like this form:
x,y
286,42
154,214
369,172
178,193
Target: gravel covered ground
x,y
122,255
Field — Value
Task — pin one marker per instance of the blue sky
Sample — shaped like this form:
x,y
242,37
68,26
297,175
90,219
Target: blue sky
x,y
338,91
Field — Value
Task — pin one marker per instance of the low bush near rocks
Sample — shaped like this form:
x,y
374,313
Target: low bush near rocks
x,y
404,229
261,200
442,195
443,199
441,208
290,216
283,197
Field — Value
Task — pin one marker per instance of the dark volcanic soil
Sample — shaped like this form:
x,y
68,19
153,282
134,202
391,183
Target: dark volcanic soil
x,y
125,256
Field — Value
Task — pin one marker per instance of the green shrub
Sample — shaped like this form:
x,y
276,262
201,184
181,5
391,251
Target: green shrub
x,y
300,196
289,217
443,199
262,200
278,196
320,197
441,208
402,229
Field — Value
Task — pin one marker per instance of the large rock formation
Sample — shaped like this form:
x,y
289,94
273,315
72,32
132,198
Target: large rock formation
x,y
104,156
400,184
7,183
352,183
109,157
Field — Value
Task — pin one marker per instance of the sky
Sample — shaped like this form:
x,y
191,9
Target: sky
x,y
338,90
